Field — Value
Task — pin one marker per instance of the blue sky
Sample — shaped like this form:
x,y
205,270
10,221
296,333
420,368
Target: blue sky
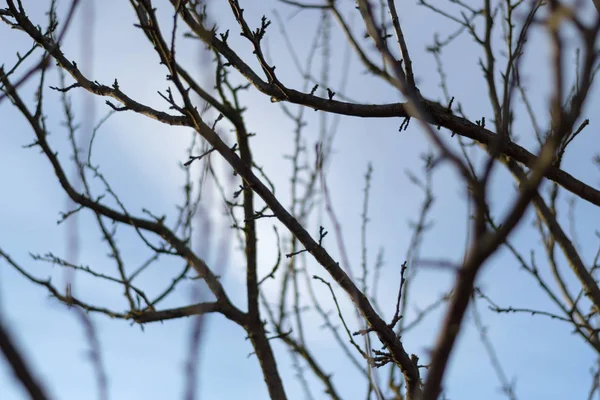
x,y
140,158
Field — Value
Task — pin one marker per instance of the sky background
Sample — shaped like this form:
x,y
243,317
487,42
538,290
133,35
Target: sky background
x,y
141,159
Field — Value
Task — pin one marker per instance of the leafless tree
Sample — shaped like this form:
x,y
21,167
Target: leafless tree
x,y
307,228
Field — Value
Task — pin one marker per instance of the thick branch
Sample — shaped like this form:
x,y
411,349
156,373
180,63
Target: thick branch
x,y
187,311
19,367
